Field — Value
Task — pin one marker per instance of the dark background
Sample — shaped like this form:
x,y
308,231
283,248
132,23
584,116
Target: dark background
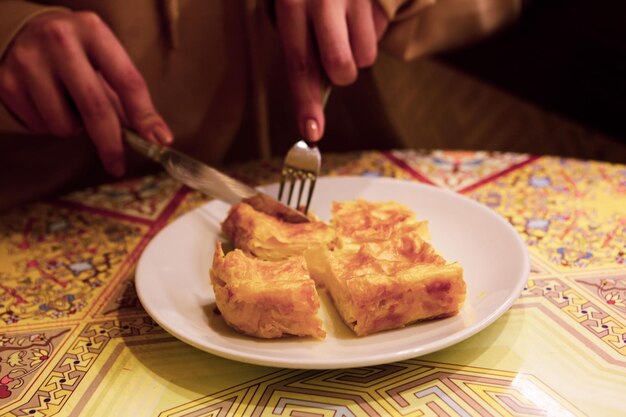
x,y
567,56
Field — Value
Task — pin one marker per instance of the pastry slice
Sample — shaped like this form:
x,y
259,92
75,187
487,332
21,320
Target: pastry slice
x,y
266,299
271,238
360,221
374,293
384,274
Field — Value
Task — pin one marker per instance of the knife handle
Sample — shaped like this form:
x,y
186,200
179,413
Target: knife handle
x,y
141,145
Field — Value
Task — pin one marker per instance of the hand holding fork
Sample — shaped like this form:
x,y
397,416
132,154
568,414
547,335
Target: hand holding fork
x,y
302,163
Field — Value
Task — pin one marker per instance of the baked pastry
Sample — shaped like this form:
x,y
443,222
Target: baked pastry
x,y
267,237
360,221
374,293
374,259
267,299
385,274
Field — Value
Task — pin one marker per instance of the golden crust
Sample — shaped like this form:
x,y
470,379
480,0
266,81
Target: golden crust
x,y
263,298
269,238
385,275
375,259
388,230
359,221
373,294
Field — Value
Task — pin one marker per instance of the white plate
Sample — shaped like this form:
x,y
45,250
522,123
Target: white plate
x,y
173,283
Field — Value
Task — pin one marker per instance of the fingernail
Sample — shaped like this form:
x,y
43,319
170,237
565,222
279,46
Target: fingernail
x,y
162,135
312,130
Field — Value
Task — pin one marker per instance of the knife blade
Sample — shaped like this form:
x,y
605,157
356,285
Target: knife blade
x,y
210,181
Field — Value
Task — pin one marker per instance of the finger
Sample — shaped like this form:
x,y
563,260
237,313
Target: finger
x,y
121,74
114,100
380,20
303,69
362,33
97,113
16,99
331,31
51,102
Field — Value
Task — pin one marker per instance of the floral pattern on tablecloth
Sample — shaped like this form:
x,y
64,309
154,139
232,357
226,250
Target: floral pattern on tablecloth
x,y
570,212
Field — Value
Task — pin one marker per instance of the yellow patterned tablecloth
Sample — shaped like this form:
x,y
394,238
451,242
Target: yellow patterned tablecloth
x,y
75,341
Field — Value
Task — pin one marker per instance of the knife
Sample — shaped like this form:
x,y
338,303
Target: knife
x,y
210,181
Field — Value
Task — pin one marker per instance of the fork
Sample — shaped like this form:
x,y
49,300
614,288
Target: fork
x,y
302,163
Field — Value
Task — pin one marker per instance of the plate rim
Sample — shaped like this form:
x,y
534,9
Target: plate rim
x,y
336,363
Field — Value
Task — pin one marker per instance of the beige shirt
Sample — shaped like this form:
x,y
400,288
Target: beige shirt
x,y
215,72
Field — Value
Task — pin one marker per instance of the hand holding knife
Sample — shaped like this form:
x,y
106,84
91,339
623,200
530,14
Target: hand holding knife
x,y
210,181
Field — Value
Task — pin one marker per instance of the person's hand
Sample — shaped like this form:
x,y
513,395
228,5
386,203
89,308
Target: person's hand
x,y
67,71
331,37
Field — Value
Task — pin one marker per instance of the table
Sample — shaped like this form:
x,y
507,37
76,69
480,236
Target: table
x,y
75,340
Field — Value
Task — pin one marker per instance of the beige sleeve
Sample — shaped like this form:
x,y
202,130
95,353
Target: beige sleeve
x,y
423,27
13,15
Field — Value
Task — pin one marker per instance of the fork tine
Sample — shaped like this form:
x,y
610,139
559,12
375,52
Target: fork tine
x,y
283,178
302,183
291,187
301,164
310,195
